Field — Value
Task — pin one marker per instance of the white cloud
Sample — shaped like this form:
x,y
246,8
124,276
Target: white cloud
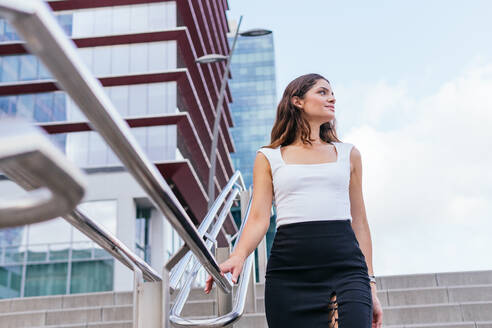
x,y
427,179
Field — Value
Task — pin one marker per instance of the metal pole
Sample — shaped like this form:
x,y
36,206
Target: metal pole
x,y
218,114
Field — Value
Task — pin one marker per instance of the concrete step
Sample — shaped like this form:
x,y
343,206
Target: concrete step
x,y
110,324
92,299
247,320
58,302
437,313
439,279
98,314
425,296
435,295
67,316
464,324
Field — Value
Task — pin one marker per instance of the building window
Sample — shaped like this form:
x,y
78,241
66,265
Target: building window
x,y
142,243
52,257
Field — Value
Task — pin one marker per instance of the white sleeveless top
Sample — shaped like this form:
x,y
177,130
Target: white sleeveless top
x,y
311,192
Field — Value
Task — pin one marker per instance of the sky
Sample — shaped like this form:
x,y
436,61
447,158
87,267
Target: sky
x,y
413,88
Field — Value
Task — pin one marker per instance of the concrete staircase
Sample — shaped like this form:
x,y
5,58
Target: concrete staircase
x,y
444,300
448,299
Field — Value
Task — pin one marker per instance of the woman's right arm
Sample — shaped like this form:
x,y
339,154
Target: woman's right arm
x,y
258,220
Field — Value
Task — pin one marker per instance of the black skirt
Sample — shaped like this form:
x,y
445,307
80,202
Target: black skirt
x,y
309,263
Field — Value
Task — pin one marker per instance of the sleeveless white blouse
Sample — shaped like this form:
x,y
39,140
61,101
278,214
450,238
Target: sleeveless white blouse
x,y
311,192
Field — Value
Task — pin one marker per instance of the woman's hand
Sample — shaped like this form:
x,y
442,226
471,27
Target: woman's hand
x,y
234,265
377,315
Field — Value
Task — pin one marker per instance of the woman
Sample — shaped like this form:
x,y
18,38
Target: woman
x,y
316,275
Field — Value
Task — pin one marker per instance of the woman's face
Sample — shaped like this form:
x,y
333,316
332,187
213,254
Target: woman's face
x,y
319,102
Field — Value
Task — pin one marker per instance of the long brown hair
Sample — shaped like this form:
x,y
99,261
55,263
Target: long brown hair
x,y
290,123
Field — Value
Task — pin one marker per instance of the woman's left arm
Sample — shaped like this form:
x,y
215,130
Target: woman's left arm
x,y
361,227
357,208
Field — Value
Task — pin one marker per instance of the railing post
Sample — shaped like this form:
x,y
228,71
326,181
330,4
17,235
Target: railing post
x,y
250,306
147,309
166,296
137,291
223,300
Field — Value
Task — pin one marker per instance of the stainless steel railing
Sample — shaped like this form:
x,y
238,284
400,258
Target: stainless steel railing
x,y
26,159
44,38
29,159
177,272
239,304
117,249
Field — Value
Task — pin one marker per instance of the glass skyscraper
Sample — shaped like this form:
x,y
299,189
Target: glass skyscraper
x,y
253,89
254,106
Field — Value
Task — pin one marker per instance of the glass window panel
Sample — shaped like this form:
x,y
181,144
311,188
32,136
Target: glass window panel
x,y
138,100
10,34
48,232
59,106
139,18
138,58
46,279
121,20
28,67
157,19
102,21
157,98
121,59
97,149
102,211
170,14
43,105
59,251
37,253
2,29
8,105
82,250
101,273
157,56
44,73
113,159
14,254
102,66
65,21
83,23
141,136
25,106
13,236
10,68
86,56
100,253
78,148
73,111
10,281
59,140
119,97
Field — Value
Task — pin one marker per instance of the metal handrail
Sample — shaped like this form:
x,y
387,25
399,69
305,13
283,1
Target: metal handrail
x,y
25,156
100,235
45,38
179,269
210,242
239,304
49,168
